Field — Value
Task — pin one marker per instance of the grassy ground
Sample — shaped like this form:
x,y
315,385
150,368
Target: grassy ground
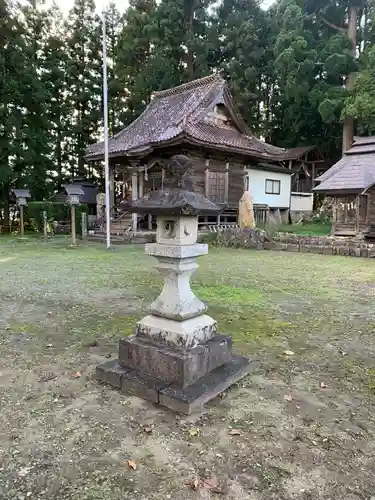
x,y
305,421
313,229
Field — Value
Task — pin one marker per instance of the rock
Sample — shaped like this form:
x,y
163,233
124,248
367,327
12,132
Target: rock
x,y
243,238
246,211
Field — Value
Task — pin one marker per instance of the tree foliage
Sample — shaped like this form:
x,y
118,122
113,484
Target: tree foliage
x,y
360,105
291,69
239,45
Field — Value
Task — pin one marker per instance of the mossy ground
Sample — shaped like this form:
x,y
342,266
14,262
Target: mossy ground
x,y
306,420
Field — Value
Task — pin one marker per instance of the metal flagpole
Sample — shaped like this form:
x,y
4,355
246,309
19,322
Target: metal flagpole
x,y
106,159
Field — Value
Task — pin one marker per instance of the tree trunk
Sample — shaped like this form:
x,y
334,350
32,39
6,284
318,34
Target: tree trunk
x,y
6,220
189,38
348,128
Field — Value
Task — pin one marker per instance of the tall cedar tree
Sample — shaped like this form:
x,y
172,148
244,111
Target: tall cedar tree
x,y
338,22
360,105
294,74
180,42
59,109
239,36
133,58
12,60
33,159
84,80
114,24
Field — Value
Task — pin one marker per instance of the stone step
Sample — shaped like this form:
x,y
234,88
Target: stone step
x,y
116,239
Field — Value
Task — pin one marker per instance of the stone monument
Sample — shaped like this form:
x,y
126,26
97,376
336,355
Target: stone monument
x,y
176,358
246,211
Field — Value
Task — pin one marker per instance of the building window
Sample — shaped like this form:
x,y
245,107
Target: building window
x,y
216,186
272,186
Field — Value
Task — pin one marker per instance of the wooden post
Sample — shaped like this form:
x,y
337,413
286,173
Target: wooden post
x,y
357,206
206,181
313,176
112,188
206,178
226,187
84,225
134,198
73,213
45,229
141,183
21,221
334,215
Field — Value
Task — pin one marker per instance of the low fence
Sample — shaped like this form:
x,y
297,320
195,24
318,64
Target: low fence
x,y
258,238
261,215
327,245
301,202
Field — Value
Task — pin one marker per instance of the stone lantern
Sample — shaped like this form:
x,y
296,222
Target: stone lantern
x,y
21,199
176,357
73,191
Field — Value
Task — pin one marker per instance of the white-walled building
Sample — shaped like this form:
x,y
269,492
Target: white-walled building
x,y
271,188
269,185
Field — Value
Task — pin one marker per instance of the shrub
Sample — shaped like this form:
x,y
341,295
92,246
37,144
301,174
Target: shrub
x,y
56,211
237,238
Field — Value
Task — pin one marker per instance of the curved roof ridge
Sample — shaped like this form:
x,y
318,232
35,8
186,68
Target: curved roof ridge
x,y
188,86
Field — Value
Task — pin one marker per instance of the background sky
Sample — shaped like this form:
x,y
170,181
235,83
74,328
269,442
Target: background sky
x,y
65,5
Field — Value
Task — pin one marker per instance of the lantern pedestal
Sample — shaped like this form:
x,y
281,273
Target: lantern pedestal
x,y
176,358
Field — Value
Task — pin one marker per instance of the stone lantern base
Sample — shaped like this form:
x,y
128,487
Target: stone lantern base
x,y
179,379
176,357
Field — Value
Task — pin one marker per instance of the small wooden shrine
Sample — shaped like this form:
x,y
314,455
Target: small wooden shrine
x,y
351,184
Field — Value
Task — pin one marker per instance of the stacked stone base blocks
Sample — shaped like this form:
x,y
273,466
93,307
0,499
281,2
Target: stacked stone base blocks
x,y
326,245
179,379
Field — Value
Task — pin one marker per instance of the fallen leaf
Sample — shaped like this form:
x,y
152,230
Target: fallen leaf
x,y
323,385
288,353
288,397
193,483
77,375
132,464
195,431
23,472
235,432
93,343
209,483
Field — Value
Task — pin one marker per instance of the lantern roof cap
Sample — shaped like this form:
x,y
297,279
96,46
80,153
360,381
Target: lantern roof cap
x,y
177,197
73,189
21,193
